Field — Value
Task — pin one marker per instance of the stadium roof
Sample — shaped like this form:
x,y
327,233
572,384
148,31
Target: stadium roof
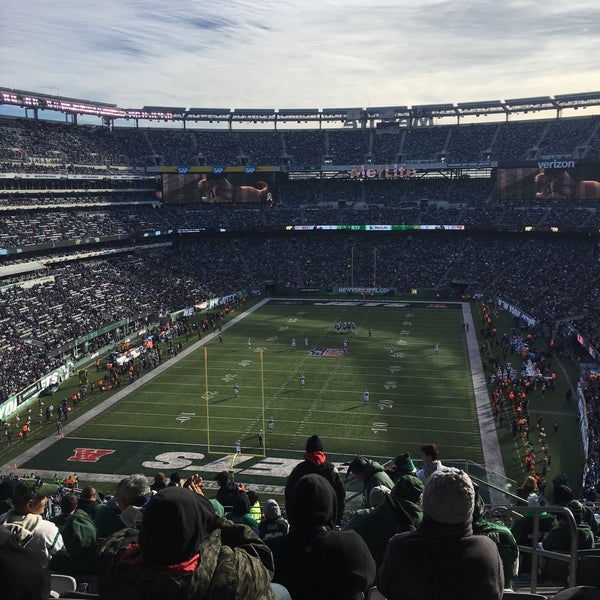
x,y
110,112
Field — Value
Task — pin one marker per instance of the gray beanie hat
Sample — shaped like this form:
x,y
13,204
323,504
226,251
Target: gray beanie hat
x,y
449,496
272,510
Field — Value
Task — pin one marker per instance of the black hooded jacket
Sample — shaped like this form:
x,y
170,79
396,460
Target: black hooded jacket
x,y
315,561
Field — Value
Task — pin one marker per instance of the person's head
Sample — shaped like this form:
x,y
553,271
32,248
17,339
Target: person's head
x,y
358,468
132,491
403,464
530,484
378,494
160,479
577,509
563,494
272,509
222,478
174,479
241,504
253,497
429,452
314,444
449,497
68,504
88,493
174,523
314,505
31,497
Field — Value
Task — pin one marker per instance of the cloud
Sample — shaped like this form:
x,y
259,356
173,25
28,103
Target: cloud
x,y
316,53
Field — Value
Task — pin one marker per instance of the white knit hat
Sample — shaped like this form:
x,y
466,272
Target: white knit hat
x,y
449,496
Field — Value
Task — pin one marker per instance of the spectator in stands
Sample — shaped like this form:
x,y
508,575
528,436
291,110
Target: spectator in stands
x,y
124,510
23,573
398,511
443,559
273,524
563,495
501,535
315,461
79,535
89,502
25,519
558,539
431,462
315,561
522,529
227,489
159,483
184,550
371,474
529,486
403,465
255,509
240,511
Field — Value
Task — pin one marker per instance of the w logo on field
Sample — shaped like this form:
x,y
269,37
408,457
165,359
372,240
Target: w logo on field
x,y
405,332
395,369
390,385
283,328
89,455
245,363
385,404
327,352
228,377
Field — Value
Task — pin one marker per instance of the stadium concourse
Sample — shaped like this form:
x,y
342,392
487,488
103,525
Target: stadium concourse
x,y
491,450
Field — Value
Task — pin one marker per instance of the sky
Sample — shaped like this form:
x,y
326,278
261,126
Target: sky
x,y
309,54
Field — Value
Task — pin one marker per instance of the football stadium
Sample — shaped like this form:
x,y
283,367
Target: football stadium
x,y
179,299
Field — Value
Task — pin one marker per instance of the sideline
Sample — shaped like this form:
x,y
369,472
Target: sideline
x,y
492,456
104,405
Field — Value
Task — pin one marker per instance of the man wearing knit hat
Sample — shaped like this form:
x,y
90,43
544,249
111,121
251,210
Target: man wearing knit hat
x,y
371,474
403,465
315,461
443,559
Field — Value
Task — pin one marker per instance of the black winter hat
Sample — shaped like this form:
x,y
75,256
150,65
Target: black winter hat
x,y
314,444
174,523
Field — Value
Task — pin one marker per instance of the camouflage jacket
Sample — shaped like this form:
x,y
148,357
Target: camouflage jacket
x,y
234,565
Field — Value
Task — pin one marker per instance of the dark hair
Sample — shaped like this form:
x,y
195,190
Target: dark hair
x,y
253,497
68,503
430,450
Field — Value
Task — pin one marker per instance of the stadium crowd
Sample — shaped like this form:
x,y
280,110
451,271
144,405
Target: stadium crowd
x,y
148,537
47,311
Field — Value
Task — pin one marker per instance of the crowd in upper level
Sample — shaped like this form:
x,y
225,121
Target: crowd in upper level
x,y
54,144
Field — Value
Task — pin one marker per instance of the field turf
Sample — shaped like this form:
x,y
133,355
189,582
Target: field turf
x,y
416,395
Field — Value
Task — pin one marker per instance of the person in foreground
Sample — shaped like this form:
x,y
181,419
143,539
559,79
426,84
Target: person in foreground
x,y
315,561
184,550
443,559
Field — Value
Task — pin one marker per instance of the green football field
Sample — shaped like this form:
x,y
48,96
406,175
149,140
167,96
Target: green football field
x,y
188,418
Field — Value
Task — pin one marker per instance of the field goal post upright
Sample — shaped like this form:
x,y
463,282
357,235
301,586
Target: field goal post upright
x,y
262,399
206,398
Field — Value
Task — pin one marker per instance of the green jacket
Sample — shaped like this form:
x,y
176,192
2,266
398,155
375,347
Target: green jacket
x,y
79,535
559,539
505,541
374,475
377,525
234,565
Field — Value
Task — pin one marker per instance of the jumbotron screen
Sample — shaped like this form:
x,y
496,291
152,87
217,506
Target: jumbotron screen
x,y
549,180
220,188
